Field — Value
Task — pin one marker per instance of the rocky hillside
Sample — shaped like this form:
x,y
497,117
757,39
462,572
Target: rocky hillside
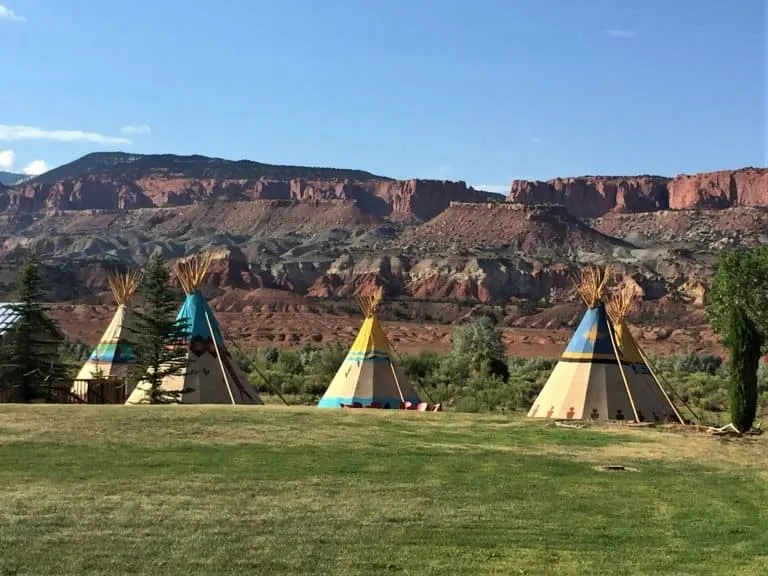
x,y
320,234
593,196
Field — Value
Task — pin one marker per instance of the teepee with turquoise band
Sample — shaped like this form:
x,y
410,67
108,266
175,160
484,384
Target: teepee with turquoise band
x,y
601,375
211,375
196,314
113,356
368,376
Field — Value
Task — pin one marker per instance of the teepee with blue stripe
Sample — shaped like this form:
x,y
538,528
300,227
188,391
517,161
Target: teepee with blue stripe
x,y
211,375
601,375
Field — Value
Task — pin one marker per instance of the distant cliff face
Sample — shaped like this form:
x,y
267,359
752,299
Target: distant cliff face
x,y
746,187
594,196
125,182
422,199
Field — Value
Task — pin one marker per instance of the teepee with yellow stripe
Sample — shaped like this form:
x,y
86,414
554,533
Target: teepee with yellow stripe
x,y
602,375
368,376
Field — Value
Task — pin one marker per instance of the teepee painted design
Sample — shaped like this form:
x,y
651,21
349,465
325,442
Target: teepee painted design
x,y
368,376
593,379
211,376
113,355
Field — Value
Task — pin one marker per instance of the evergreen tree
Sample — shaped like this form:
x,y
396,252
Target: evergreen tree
x,y
30,348
744,343
737,308
160,340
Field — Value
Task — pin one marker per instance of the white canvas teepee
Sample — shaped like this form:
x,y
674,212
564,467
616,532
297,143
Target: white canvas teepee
x,y
594,379
113,355
211,376
368,376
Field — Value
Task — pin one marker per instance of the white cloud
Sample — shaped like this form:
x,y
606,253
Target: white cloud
x,y
620,33
35,168
136,129
8,14
7,157
10,133
498,188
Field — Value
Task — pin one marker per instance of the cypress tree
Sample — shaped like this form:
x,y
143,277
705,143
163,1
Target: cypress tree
x,y
159,339
744,343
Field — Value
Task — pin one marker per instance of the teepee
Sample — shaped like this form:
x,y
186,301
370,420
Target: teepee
x,y
368,377
113,355
591,379
649,399
211,375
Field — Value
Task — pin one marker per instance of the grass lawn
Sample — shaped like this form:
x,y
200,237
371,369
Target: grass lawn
x,y
236,490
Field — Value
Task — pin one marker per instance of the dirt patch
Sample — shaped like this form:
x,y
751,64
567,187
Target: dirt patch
x,y
249,330
615,468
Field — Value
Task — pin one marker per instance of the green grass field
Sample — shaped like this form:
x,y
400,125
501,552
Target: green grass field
x,y
172,490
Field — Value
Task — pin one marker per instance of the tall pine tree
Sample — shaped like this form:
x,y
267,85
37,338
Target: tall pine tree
x,y
30,347
160,340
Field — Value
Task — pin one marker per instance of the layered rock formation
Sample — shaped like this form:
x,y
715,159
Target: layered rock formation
x,y
422,199
328,233
594,196
125,186
746,187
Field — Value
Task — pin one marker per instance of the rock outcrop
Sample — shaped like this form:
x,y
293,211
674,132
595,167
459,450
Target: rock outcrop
x,y
594,196
746,187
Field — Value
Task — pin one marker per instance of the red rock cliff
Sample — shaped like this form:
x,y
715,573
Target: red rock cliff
x,y
593,196
745,187
402,198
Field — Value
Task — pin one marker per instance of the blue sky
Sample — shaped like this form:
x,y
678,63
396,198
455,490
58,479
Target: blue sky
x,y
479,90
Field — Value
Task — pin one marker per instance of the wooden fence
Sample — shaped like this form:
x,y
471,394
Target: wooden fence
x,y
74,392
